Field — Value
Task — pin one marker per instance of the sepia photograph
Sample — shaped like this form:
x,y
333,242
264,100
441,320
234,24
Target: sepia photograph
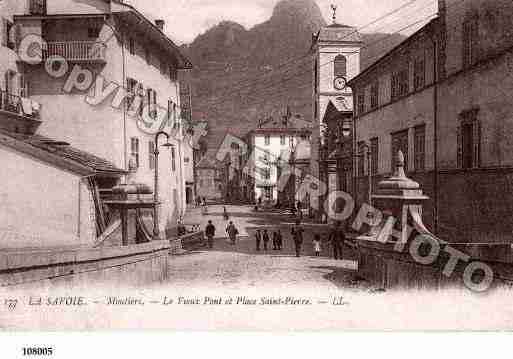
x,y
255,165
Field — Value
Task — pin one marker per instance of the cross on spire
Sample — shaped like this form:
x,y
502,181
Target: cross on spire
x,y
334,9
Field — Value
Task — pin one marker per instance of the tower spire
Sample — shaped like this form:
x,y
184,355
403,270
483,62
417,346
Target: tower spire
x,y
334,9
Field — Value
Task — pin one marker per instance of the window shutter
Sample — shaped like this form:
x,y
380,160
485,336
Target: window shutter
x,y
6,81
477,144
460,146
4,36
148,98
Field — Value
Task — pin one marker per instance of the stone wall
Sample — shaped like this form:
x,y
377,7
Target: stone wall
x,y
84,267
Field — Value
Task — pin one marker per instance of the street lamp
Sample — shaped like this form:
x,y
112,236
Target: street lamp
x,y
156,190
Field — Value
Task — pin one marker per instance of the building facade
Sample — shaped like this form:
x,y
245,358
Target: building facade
x,y
105,79
442,97
271,146
336,58
211,179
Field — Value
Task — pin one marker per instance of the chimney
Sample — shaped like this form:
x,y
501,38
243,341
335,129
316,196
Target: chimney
x,y
160,24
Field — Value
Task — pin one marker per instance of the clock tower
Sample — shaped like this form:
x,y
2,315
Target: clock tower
x,y
336,60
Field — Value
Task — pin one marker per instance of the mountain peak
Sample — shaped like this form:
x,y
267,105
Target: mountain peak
x,y
298,10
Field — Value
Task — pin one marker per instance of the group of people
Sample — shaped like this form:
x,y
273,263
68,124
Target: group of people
x,y
210,233
263,237
336,238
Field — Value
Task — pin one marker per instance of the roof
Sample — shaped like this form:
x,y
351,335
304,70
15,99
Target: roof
x,y
338,33
284,125
406,42
135,20
60,154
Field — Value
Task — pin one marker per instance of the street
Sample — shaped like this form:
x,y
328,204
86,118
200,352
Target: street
x,y
241,266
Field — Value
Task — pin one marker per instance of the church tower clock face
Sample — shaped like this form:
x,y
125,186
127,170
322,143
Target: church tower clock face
x,y
340,83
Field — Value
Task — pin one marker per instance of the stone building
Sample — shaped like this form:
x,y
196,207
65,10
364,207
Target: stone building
x,y
210,179
272,143
103,78
443,98
336,58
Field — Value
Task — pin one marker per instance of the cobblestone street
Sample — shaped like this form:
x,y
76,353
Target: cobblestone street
x,y
241,266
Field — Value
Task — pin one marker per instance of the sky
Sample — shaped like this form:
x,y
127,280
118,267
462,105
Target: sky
x,y
186,19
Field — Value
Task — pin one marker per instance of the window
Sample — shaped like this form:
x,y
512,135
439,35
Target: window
x,y
420,148
173,159
93,32
151,98
147,55
283,140
131,85
469,141
134,151
374,156
316,75
131,46
163,66
8,34
267,140
400,143
37,7
374,95
173,73
24,86
186,160
340,66
400,84
361,158
151,154
361,103
470,41
419,73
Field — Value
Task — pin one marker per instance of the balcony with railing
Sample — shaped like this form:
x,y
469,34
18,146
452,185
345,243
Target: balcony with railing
x,y
76,51
18,106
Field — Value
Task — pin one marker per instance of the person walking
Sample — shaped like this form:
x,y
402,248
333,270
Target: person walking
x,y
225,214
266,240
210,232
297,235
279,239
258,237
232,232
317,245
275,241
337,239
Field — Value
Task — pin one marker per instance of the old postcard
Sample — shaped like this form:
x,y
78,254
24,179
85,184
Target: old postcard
x,y
256,165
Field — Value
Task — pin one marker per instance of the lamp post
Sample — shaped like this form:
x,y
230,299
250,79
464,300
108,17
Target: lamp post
x,y
156,190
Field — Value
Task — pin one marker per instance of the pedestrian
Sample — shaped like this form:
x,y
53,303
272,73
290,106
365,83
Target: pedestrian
x,y
232,232
280,240
297,235
337,239
225,214
258,237
300,210
317,245
266,239
275,241
210,232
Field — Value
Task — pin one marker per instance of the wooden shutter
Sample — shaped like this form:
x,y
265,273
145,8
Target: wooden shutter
x,y
459,134
4,35
477,144
148,98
